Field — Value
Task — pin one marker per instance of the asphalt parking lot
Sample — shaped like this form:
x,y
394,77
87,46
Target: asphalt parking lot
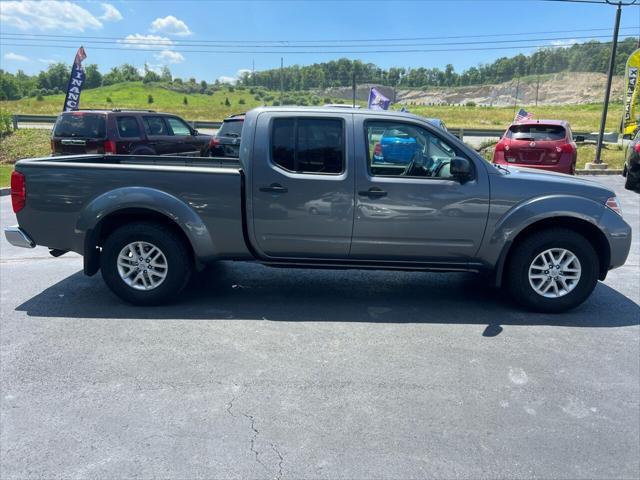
x,y
272,373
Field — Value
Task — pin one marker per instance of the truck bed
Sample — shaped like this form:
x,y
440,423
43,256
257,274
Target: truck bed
x,y
64,193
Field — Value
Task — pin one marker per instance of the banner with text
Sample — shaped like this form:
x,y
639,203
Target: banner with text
x,y
631,89
74,88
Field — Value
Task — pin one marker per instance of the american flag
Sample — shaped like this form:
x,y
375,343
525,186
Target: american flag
x,y
523,115
80,56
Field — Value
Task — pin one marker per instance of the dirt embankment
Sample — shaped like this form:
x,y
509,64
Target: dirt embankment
x,y
556,89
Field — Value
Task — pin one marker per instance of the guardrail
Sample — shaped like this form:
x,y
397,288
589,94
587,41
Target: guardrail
x,y
459,132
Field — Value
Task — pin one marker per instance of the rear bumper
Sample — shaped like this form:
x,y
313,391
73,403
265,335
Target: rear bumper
x,y
18,237
559,167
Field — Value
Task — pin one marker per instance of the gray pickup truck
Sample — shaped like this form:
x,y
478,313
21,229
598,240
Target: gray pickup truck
x,y
324,188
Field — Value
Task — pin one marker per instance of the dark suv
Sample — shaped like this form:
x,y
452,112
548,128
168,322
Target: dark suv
x,y
226,143
125,132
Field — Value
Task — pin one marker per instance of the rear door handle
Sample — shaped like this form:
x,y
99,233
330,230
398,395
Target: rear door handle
x,y
373,192
274,188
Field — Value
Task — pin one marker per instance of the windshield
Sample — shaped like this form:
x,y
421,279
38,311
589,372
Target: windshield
x,y
536,132
80,125
231,128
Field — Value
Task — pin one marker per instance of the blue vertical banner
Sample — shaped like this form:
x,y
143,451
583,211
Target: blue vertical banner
x,y
74,88
377,101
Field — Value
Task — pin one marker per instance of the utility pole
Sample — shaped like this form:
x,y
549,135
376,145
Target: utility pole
x,y
281,79
253,72
353,87
597,163
515,100
537,88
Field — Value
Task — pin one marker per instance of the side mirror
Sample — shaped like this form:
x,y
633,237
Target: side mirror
x,y
578,138
460,168
194,131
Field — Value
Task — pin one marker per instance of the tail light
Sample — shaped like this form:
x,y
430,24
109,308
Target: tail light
x,y
214,142
636,147
18,191
109,147
377,150
566,148
614,205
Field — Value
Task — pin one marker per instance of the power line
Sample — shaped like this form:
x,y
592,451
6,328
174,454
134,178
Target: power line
x,y
133,43
290,41
297,52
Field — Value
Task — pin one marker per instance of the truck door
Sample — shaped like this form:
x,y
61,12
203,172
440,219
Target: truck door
x,y
302,185
408,207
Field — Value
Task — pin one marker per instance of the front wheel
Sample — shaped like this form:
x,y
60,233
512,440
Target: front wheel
x,y
145,263
552,271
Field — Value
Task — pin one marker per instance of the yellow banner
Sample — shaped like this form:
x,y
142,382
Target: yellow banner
x,y
631,76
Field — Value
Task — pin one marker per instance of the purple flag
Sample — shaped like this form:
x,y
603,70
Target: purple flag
x,y
377,101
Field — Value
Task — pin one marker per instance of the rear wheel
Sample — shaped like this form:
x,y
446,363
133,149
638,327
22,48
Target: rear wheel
x,y
146,263
632,182
552,270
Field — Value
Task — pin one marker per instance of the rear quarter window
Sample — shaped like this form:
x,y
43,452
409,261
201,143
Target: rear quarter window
x,y
81,125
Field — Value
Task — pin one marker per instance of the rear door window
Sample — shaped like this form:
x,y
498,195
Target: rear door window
x,y
80,125
178,127
308,145
155,126
537,133
128,127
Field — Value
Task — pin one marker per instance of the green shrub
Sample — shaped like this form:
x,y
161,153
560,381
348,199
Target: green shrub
x,y
150,99
232,88
40,98
227,103
6,123
109,100
185,101
241,101
470,104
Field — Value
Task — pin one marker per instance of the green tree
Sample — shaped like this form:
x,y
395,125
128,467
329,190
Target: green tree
x,y
93,78
150,99
165,74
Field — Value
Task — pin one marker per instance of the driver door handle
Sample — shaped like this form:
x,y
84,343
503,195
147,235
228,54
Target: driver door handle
x,y
274,188
373,192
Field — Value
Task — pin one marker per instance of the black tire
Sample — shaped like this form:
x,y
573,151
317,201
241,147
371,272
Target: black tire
x,y
631,182
173,247
524,253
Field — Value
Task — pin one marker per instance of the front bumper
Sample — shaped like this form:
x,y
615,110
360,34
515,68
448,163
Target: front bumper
x,y
18,237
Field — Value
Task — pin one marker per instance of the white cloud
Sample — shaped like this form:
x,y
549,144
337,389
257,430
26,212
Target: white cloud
x,y
48,15
48,61
233,80
15,57
564,43
170,56
110,13
145,42
170,25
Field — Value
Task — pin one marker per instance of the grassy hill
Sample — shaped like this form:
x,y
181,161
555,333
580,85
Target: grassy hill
x,y
135,95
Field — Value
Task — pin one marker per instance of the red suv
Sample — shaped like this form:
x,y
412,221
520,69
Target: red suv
x,y
543,144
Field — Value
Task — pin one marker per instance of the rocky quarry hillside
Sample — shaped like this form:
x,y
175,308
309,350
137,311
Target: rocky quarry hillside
x,y
553,89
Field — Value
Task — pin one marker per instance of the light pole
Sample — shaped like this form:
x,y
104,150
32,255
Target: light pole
x,y
597,163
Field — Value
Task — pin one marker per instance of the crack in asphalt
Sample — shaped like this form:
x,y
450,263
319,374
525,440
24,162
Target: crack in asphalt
x,y
254,437
280,461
